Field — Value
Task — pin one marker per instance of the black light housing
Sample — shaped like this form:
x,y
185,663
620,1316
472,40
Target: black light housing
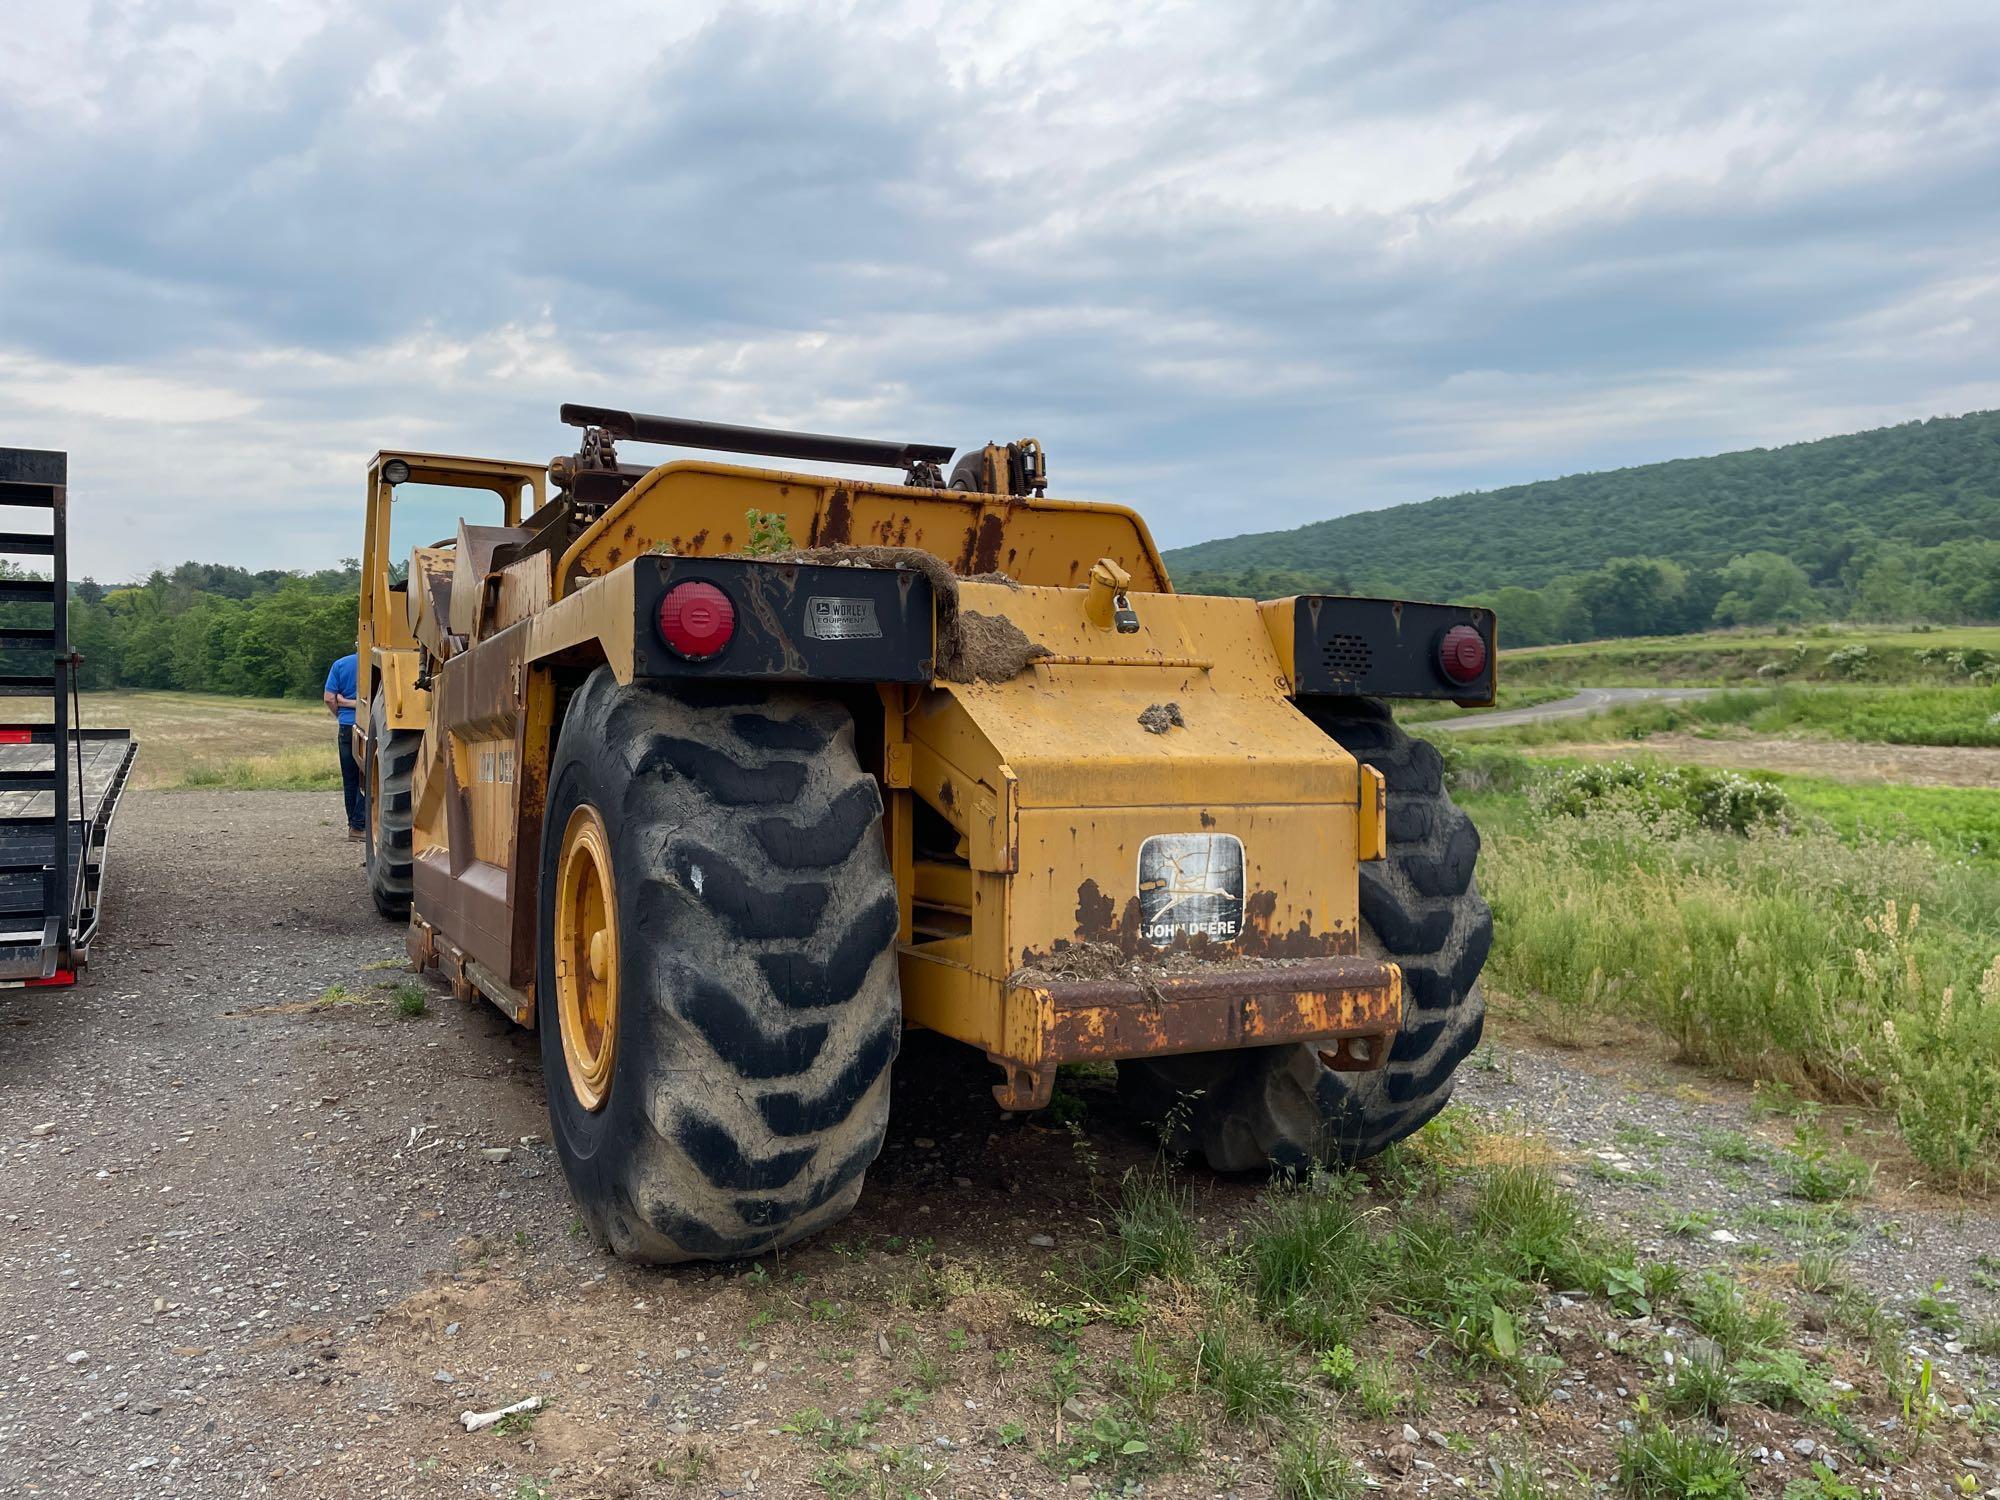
x,y
395,471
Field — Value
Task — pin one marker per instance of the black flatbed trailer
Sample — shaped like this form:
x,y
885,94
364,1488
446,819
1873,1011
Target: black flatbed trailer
x,y
59,782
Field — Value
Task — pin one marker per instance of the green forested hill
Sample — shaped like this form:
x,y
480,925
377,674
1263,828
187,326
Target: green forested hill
x,y
1917,505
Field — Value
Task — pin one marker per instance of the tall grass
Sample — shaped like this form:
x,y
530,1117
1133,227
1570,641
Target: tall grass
x,y
285,771
1867,971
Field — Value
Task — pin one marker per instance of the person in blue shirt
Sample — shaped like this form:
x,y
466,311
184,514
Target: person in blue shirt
x,y
339,700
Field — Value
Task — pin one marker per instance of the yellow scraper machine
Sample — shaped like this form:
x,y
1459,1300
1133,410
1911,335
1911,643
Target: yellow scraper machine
x,y
59,782
720,776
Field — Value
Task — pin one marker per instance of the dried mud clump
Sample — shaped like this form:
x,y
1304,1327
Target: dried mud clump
x,y
1109,961
986,648
971,647
1161,717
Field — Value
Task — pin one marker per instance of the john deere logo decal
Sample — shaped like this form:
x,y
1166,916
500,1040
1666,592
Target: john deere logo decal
x,y
1190,884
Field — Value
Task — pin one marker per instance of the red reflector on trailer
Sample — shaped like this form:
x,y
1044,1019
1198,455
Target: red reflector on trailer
x,y
1462,653
697,619
17,736
61,976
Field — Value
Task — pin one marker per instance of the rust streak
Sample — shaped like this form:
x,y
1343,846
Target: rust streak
x,y
1094,911
986,551
835,526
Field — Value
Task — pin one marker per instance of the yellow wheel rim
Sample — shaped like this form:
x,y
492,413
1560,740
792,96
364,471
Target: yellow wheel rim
x,y
587,957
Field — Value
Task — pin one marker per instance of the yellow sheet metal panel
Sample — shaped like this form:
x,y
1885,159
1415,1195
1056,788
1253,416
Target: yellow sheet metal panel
x,y
696,508
600,615
1272,880
1371,817
1070,728
1167,795
406,705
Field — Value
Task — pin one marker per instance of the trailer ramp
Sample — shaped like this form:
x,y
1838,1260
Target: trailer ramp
x,y
59,782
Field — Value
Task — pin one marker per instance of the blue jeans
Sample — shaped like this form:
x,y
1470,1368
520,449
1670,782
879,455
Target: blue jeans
x,y
352,789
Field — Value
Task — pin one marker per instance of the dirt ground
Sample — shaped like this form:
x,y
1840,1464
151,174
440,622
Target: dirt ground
x,y
258,1245
1845,760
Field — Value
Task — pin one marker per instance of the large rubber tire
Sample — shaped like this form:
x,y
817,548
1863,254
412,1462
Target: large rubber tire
x,y
391,811
1279,1107
759,1008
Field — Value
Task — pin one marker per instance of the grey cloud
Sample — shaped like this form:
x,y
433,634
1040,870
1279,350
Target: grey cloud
x,y
1228,364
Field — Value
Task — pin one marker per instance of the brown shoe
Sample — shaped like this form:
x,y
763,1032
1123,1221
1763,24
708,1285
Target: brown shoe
x,y
356,835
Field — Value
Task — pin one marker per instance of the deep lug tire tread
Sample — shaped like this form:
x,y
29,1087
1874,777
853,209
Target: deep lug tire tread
x,y
388,851
1278,1107
759,1009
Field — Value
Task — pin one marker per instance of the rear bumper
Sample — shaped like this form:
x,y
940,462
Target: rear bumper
x,y
1351,1008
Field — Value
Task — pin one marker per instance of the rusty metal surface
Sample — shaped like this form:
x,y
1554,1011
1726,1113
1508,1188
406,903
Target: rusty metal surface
x,y
1313,1000
696,509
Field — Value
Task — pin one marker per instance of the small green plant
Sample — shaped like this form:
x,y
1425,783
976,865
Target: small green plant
x,y
1719,1309
410,1001
1823,1484
1780,1379
1374,1384
1984,1337
1935,1310
689,1466
515,1423
1671,1463
1152,1233
1148,1378
531,1489
768,533
1730,1146
1008,1434
1522,1480
1308,1258
1819,1271
1818,1173
1309,1467
1108,1439
1698,1386
1244,1371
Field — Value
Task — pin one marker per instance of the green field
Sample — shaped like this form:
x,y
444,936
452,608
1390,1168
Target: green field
x,y
1912,715
205,739
1725,658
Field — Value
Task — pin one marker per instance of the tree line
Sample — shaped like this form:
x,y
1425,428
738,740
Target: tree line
x,y
213,628
1956,583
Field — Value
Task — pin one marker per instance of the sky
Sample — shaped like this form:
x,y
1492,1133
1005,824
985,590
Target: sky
x,y
1240,265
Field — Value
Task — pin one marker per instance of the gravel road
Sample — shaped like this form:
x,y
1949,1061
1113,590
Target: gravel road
x,y
254,1244
1585,701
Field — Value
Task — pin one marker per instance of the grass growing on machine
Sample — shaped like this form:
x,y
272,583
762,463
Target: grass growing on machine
x,y
1303,1335
1759,939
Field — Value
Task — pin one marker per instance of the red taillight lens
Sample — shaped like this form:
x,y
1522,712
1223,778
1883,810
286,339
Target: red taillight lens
x,y
1462,654
697,620
17,736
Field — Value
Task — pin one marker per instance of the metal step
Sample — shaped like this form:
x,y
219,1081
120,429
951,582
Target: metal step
x,y
24,686
27,591
27,544
20,637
